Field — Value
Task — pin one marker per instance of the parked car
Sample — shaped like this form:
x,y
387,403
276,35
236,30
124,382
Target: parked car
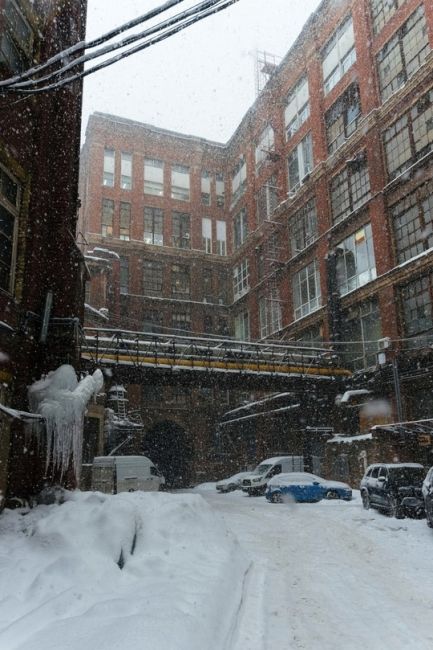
x,y
231,483
304,487
394,488
255,483
427,492
113,474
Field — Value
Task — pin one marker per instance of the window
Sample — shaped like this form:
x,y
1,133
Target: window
x,y
270,313
298,108
403,54
181,322
350,188
338,55
265,146
311,337
355,260
381,12
220,192
152,277
205,187
342,118
208,294
207,324
306,290
181,230
221,233
260,263
413,225
300,163
206,231
107,217
303,227
124,275
10,194
125,220
222,287
410,137
240,228
153,226
126,171
242,326
240,280
152,322
16,39
153,177
361,328
180,182
416,297
180,280
109,159
266,200
239,180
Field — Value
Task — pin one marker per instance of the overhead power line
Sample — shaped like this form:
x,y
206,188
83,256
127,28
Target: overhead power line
x,y
20,84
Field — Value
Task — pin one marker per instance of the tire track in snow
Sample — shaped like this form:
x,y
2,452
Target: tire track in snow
x,y
249,625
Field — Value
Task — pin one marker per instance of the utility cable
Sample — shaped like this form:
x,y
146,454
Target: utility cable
x,y
82,45
205,4
205,9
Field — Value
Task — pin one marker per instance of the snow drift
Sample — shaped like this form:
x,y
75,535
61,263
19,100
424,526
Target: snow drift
x,y
140,570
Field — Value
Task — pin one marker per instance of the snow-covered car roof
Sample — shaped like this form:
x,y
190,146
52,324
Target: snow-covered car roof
x,y
272,461
393,465
234,478
303,477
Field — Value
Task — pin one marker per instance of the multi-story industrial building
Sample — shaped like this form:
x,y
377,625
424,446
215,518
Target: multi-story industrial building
x,y
42,270
313,223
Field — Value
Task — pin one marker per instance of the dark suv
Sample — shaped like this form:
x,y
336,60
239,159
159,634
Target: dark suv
x,y
394,488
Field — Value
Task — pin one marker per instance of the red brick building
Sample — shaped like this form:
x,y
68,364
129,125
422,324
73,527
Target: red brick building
x,y
324,193
40,263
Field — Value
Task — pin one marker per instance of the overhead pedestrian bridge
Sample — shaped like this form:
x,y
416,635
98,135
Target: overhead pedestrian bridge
x,y
158,358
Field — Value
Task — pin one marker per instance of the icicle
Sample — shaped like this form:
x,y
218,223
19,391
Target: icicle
x,y
61,399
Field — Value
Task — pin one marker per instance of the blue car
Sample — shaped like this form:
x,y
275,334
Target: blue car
x,y
303,487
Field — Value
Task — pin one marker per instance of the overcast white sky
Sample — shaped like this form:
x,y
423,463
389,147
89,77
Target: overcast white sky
x,y
200,81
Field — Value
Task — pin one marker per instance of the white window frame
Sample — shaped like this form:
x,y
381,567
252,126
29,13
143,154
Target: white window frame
x,y
359,245
180,183
338,55
303,153
240,279
306,278
298,107
240,226
239,180
221,233
153,180
206,231
109,167
126,170
242,326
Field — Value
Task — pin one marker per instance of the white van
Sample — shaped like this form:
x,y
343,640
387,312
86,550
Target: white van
x,y
113,474
255,483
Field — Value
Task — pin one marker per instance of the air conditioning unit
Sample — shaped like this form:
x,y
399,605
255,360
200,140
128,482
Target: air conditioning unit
x,y
186,235
384,344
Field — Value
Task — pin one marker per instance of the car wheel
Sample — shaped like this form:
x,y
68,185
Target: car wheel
x,y
365,501
395,509
332,494
277,497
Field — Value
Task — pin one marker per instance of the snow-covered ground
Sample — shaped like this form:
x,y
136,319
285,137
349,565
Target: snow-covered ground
x,y
200,570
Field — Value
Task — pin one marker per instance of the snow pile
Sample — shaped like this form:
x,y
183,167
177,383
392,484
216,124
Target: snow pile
x,y
140,570
61,399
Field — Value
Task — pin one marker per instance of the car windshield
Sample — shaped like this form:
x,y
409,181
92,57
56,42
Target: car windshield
x,y
406,475
262,469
